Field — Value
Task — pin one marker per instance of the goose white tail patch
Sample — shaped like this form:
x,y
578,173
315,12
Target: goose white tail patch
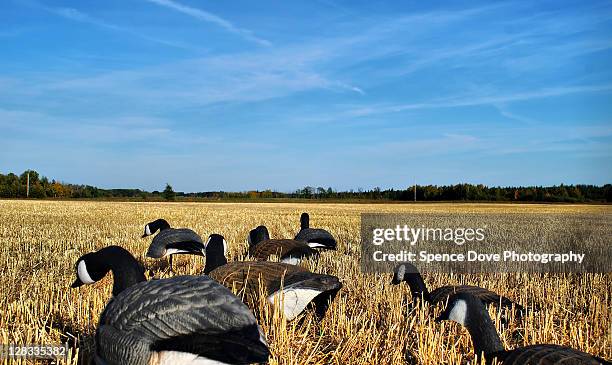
x,y
83,274
459,312
315,244
291,260
181,358
294,301
147,230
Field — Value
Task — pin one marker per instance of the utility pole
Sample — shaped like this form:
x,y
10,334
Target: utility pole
x,y
28,186
415,190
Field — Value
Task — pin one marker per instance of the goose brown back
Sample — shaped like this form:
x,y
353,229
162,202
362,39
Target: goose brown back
x,y
281,248
252,278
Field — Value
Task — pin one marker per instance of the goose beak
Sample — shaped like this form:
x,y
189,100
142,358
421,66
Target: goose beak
x,y
441,317
144,235
76,283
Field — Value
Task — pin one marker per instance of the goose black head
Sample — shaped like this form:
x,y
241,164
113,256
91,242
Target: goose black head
x,y
467,310
216,252
304,221
410,274
459,308
93,266
158,224
216,245
404,272
89,268
257,235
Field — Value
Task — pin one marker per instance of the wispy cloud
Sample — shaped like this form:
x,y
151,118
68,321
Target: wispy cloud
x,y
113,131
203,81
79,16
475,100
213,19
506,113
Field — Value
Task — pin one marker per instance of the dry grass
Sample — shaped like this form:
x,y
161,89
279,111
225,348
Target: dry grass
x,y
367,324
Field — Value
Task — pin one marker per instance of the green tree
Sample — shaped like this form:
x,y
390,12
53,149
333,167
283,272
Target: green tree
x,y
169,193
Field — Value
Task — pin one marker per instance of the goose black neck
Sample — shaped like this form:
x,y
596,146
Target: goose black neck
x,y
304,221
213,263
159,224
126,270
215,253
258,235
417,286
482,331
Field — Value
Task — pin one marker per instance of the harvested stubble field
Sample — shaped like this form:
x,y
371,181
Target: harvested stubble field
x,y
367,324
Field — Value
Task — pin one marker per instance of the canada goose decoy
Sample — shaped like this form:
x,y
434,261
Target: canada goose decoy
x,y
261,247
180,320
298,287
469,311
315,237
171,241
410,274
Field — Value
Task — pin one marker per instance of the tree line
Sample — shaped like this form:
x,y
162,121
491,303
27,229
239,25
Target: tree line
x,y
15,186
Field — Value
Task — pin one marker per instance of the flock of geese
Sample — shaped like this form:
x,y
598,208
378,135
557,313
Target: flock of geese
x,y
197,320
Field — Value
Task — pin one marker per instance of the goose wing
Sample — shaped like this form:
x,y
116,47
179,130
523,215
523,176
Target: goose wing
x,y
485,295
180,239
548,355
248,277
191,314
317,238
300,289
280,248
306,279
252,279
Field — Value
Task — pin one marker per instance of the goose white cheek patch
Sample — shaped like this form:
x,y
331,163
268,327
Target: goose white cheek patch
x,y
224,248
315,244
83,274
401,271
459,312
147,230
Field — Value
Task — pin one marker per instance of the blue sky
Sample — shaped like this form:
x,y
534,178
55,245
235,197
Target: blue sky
x,y
238,95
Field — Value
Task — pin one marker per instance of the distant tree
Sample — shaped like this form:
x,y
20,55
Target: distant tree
x,y
169,193
58,190
307,192
321,191
12,185
23,178
252,194
37,191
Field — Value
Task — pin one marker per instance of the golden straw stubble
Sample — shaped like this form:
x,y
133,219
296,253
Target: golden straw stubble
x,y
368,323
